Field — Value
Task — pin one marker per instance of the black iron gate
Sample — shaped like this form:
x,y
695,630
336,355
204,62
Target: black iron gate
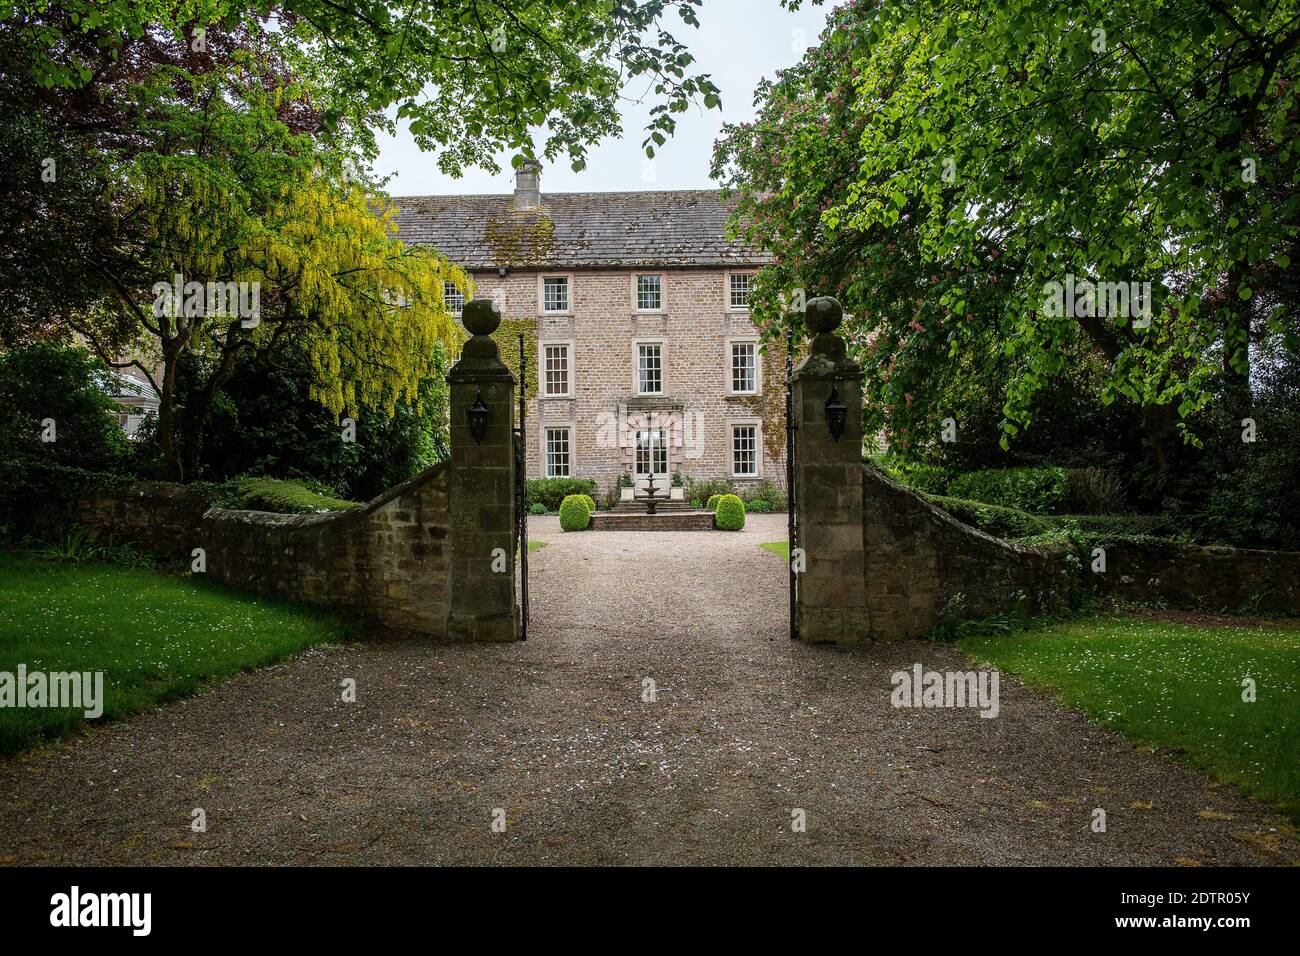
x,y
792,513
521,491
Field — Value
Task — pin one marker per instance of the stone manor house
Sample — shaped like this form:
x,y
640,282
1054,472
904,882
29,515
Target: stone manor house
x,y
635,310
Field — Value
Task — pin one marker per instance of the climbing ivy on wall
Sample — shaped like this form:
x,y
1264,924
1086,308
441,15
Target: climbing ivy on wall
x,y
507,339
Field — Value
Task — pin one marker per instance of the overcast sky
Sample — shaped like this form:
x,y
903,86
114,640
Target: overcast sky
x,y
738,42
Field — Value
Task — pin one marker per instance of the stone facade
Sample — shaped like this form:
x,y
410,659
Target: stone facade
x,y
598,244
603,408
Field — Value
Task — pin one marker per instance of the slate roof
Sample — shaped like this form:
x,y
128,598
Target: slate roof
x,y
578,230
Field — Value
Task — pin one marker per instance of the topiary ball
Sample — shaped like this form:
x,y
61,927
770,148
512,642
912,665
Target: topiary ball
x,y
730,515
591,503
574,513
713,502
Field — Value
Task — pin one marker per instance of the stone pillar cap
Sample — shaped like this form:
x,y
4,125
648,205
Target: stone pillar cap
x,y
824,314
481,316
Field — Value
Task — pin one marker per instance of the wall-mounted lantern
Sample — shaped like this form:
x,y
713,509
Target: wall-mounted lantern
x,y
478,419
836,414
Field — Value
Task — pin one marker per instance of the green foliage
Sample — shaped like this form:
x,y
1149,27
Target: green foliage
x,y
591,502
156,638
997,520
574,513
706,489
758,506
552,491
914,164
539,509
263,422
281,497
712,503
1093,491
67,385
40,500
1036,490
730,515
919,476
766,491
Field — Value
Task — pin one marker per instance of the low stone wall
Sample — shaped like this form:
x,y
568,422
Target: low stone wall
x,y
1205,579
386,560
668,521
153,516
922,566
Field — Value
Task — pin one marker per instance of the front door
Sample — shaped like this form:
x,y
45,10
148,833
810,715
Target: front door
x,y
651,461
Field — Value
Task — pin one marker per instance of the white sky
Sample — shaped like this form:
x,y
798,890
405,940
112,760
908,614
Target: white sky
x,y
738,42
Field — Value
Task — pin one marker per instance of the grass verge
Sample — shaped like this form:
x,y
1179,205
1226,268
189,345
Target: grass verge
x,y
777,547
155,638
1177,687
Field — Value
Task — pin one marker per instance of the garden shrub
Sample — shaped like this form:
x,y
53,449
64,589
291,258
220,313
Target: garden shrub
x,y
552,491
574,513
706,489
767,491
920,477
996,520
712,504
66,384
758,506
539,509
1093,491
731,513
591,503
1036,490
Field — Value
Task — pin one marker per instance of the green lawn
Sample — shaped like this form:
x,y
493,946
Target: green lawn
x,y
778,547
1175,686
154,637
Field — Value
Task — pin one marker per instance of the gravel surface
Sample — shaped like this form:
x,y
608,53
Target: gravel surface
x,y
746,728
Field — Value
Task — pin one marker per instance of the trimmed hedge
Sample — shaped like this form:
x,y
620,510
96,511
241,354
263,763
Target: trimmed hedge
x,y
731,513
1036,490
713,502
552,491
591,503
574,513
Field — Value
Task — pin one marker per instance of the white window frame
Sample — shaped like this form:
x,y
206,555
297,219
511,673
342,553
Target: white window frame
x,y
757,425
636,292
547,428
542,383
637,345
541,293
449,291
732,341
726,289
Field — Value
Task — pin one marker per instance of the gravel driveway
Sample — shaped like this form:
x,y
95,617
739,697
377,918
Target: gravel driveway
x,y
746,728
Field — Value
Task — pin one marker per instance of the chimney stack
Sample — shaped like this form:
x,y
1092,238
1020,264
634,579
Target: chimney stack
x,y
528,193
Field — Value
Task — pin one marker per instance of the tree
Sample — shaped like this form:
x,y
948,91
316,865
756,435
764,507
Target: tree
x,y
472,78
228,234
950,168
